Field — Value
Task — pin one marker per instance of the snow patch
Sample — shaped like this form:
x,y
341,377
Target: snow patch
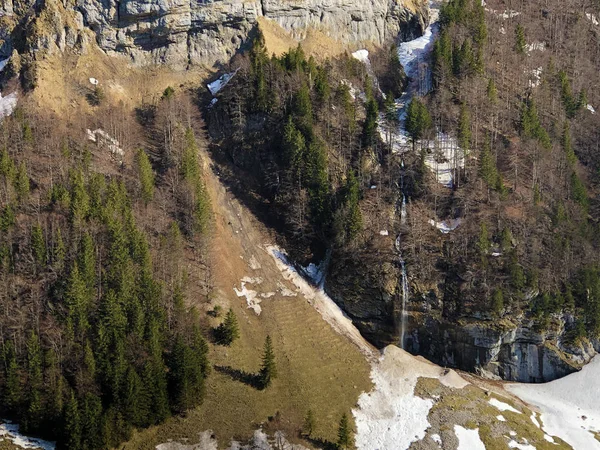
x,y
468,439
437,439
501,418
447,225
515,444
7,104
444,157
503,406
592,18
362,56
267,294
3,64
101,137
534,420
10,431
569,406
535,77
94,81
549,438
384,233
216,86
591,109
251,300
536,46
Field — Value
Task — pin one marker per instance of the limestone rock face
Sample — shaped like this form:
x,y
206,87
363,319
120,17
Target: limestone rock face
x,y
184,32
513,352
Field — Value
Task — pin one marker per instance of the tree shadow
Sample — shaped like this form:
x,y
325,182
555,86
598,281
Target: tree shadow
x,y
251,379
321,443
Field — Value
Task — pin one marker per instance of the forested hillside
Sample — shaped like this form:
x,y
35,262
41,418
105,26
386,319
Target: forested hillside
x,y
96,332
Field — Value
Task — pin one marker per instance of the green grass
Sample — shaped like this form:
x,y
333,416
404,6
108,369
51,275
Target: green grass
x,y
318,370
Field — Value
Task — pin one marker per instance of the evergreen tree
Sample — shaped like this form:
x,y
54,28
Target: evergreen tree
x,y
579,191
498,302
370,124
345,439
418,120
76,302
71,425
59,251
11,394
492,92
308,427
354,222
268,370
146,176
520,42
32,419
38,245
91,422
228,331
79,198
22,183
484,243
487,165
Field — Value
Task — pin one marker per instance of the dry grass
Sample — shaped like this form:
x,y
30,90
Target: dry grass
x,y
63,81
316,43
318,368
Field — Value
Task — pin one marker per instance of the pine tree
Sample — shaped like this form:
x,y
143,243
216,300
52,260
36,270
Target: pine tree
x,y
370,124
492,92
146,176
58,252
354,221
498,302
308,427
91,422
268,370
418,120
520,42
484,242
228,331
38,245
33,412
345,440
487,166
79,198
11,395
76,302
22,183
71,439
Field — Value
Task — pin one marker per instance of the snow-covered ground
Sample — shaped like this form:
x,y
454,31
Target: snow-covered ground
x,y
10,431
468,439
570,406
251,296
7,104
220,83
446,226
259,441
392,416
503,406
101,137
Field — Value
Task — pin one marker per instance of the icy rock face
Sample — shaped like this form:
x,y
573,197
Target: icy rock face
x,y
183,32
516,353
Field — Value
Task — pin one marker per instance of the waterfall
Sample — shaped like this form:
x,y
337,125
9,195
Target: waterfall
x,y
405,294
403,211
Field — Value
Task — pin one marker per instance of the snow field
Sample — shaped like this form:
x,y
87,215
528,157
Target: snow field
x,y
468,439
569,406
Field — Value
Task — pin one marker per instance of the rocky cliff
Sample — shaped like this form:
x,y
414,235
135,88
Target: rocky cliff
x,y
508,350
185,32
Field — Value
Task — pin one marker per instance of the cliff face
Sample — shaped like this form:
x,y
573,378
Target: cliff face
x,y
184,32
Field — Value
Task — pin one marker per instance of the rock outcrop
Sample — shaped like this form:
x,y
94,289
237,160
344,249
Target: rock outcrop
x,y
508,351
181,33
